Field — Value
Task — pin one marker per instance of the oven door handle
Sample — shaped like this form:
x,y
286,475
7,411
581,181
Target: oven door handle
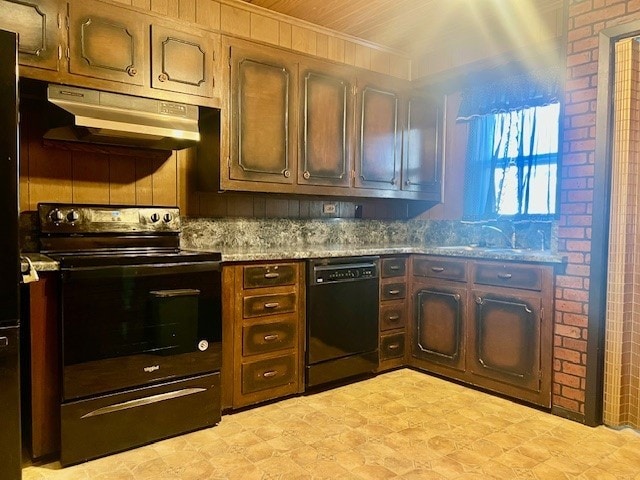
x,y
140,270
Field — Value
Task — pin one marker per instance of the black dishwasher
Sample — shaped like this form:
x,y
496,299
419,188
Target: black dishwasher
x,y
342,318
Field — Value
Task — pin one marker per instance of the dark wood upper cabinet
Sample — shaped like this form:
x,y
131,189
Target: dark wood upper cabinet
x,y
326,127
37,24
183,62
379,135
104,43
262,116
422,159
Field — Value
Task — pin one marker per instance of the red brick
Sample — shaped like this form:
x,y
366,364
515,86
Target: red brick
x,y
579,8
578,270
579,33
573,394
580,195
569,306
566,354
576,133
579,158
590,43
575,232
584,70
578,245
583,145
575,344
577,108
573,369
563,402
587,119
578,295
569,208
598,15
579,220
584,95
581,171
574,319
568,331
568,380
578,58
570,282
577,84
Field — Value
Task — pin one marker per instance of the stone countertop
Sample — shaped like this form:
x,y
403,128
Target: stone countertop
x,y
42,263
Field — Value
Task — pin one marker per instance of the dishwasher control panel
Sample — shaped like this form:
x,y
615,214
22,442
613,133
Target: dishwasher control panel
x,y
344,272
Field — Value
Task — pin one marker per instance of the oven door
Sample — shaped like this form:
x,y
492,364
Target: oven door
x,y
135,325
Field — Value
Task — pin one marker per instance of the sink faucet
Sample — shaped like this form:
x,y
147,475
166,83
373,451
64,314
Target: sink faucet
x,y
541,233
510,241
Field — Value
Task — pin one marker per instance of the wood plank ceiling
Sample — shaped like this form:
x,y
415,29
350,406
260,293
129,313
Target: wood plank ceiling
x,y
414,25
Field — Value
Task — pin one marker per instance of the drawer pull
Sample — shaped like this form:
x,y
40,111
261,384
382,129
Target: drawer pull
x,y
504,276
394,292
394,346
270,373
394,267
270,275
393,318
437,269
272,305
271,337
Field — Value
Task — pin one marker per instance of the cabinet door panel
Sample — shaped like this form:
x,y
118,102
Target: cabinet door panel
x,y
182,62
262,119
505,339
325,134
422,159
107,42
36,23
379,143
439,328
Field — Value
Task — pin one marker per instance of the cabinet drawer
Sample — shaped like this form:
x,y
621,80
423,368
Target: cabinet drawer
x,y
392,315
528,277
269,275
259,305
264,374
447,269
393,291
268,337
392,346
393,267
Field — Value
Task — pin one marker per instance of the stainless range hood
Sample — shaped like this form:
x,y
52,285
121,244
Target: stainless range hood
x,y
123,120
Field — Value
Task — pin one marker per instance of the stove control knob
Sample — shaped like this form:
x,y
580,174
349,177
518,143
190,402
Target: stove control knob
x,y
167,217
56,216
73,216
154,217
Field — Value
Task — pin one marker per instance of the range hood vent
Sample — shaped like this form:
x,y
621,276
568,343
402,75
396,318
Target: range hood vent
x,y
114,119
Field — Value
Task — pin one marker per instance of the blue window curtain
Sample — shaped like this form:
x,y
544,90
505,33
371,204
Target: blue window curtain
x,y
503,119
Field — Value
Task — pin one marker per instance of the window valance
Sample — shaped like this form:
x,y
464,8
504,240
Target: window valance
x,y
512,92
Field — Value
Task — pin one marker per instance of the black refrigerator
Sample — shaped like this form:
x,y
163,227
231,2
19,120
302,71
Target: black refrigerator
x,y
10,443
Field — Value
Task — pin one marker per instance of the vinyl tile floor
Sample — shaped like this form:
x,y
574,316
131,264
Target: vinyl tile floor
x,y
398,425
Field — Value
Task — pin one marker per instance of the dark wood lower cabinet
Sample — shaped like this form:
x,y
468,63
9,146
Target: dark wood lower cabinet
x,y
487,324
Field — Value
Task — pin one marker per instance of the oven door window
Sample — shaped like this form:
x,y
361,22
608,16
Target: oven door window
x,y
130,326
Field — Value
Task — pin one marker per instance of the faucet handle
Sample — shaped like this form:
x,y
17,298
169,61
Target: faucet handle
x,y
541,233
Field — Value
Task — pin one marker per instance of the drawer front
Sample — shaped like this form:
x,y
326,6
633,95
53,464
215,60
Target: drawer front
x,y
268,337
392,316
528,277
392,346
447,269
393,267
393,291
260,305
269,275
265,374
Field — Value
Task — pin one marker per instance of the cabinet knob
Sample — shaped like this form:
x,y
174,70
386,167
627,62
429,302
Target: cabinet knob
x,y
286,173
306,175
394,292
163,77
271,337
270,373
437,269
271,305
394,346
393,318
504,276
132,71
270,275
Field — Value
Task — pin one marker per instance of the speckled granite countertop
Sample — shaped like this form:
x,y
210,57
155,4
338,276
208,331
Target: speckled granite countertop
x,y
42,263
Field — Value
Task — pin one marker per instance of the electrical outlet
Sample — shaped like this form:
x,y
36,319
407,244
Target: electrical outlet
x,y
329,208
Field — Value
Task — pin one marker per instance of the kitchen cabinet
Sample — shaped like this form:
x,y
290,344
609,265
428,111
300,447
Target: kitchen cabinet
x,y
263,332
326,121
438,331
39,27
379,133
393,312
423,152
263,109
112,43
306,126
487,323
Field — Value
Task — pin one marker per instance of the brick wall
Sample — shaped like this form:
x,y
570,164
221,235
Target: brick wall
x,y
586,19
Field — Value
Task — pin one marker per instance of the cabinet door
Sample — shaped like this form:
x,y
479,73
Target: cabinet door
x,y
262,119
504,339
438,334
379,143
422,166
183,62
36,23
107,42
326,126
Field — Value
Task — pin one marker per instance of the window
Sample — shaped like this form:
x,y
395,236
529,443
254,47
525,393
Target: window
x,y
525,144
